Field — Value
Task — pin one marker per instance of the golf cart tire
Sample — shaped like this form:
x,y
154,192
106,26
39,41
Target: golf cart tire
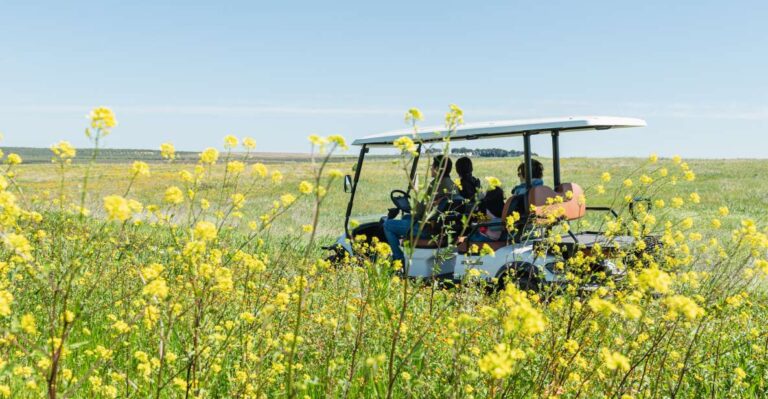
x,y
523,275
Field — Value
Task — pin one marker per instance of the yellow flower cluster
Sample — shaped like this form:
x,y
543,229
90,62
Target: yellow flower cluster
x,y
64,150
168,151
500,362
405,144
102,118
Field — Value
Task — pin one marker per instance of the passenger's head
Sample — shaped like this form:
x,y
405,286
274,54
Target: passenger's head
x,y
441,166
464,166
537,170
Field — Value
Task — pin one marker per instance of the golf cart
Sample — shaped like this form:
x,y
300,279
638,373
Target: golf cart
x,y
517,256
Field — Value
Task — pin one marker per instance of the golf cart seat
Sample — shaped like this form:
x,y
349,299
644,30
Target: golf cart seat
x,y
449,215
565,202
464,244
430,242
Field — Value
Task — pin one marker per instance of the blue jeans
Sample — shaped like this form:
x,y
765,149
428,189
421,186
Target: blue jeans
x,y
477,237
394,230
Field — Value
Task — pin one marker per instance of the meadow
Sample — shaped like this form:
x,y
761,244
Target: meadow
x,y
205,279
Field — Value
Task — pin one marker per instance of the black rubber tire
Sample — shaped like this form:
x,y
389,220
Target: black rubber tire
x,y
523,276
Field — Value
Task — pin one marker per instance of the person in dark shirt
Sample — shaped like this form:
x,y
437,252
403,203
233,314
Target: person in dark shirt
x,y
469,185
492,206
439,190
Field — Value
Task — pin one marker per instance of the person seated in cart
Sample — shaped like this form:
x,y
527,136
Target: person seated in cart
x,y
520,191
440,189
469,185
492,207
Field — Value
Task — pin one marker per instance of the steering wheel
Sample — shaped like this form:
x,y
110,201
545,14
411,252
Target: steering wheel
x,y
401,199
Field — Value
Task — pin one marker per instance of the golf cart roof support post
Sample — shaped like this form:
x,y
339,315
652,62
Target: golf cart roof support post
x,y
363,150
556,156
414,167
527,159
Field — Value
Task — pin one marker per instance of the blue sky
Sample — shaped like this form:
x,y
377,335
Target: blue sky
x,y
191,72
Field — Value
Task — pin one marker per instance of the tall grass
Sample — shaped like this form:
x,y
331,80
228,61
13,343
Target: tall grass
x,y
184,290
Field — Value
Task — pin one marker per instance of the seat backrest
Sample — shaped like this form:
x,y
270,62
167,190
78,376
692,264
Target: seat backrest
x,y
506,211
576,207
566,202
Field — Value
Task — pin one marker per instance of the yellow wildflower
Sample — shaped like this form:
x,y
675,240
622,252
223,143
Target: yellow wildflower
x,y
413,115
174,195
235,167
500,362
599,305
64,150
656,279
305,187
522,316
405,144
614,360
209,156
317,140
140,168
205,231
157,288
167,151
493,182
695,198
13,159
28,324
230,141
102,118
117,208
249,143
277,177
339,141
454,117
287,199
600,189
259,169
679,304
238,200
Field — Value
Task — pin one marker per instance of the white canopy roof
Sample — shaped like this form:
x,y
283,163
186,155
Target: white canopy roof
x,y
483,130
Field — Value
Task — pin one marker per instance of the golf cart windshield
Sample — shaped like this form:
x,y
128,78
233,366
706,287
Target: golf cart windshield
x,y
381,172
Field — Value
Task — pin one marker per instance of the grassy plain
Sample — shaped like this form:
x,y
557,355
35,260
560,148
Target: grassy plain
x,y
738,184
181,305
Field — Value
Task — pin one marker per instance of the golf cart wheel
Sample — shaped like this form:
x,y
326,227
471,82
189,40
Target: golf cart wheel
x,y
523,276
336,257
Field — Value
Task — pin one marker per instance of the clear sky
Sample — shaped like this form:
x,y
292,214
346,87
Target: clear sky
x,y
191,72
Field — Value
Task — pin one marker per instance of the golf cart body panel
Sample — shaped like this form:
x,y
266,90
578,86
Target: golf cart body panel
x,y
448,262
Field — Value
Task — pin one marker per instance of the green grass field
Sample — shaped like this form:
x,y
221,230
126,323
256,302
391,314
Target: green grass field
x,y
211,283
738,184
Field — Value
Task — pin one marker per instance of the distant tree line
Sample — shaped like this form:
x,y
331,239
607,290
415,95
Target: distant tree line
x,y
481,152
